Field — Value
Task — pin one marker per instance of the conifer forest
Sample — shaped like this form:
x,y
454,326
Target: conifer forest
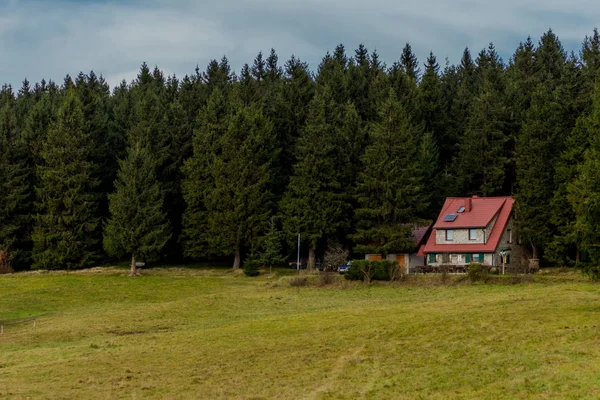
x,y
232,165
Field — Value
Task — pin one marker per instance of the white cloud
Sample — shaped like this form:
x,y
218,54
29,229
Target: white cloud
x,y
50,39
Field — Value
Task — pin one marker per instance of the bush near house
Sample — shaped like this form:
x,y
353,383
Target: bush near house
x,y
377,270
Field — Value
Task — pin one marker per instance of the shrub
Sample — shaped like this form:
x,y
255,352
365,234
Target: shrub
x,y
251,267
593,271
334,257
395,272
370,270
477,272
298,281
353,272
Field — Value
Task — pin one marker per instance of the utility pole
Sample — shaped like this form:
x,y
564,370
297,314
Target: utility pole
x,y
298,259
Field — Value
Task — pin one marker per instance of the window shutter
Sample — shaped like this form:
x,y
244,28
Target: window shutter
x,y
468,258
481,257
431,258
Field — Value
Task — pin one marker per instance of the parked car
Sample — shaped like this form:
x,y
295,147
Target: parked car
x,y
343,268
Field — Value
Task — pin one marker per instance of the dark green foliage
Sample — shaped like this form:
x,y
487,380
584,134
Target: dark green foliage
x,y
409,63
316,201
272,250
233,205
389,187
66,230
481,162
369,270
584,189
137,225
15,191
251,267
213,123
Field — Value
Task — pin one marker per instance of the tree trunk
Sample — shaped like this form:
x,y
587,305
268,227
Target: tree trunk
x,y
535,251
133,271
311,258
238,259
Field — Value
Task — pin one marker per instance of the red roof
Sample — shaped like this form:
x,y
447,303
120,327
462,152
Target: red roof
x,y
483,210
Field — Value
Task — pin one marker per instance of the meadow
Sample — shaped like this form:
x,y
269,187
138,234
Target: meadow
x,y
202,333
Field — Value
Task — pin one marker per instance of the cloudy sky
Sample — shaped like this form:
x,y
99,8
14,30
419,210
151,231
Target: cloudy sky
x,y
54,37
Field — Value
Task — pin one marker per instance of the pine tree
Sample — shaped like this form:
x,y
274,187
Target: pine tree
x,y
389,188
15,191
584,189
314,203
480,164
137,223
432,180
410,63
289,117
272,251
459,107
66,229
429,108
213,122
239,202
535,156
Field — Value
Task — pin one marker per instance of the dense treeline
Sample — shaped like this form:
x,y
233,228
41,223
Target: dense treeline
x,y
217,164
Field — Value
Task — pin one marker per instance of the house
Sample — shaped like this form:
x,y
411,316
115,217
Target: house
x,y
411,260
474,229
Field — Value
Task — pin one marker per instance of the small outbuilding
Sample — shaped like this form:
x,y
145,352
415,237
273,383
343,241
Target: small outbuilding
x,y
411,260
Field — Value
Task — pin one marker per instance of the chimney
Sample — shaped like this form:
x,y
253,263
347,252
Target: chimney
x,y
468,205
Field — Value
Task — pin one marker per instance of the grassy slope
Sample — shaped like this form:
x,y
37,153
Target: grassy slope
x,y
211,334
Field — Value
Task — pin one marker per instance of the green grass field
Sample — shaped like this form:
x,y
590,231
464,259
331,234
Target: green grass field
x,y
197,333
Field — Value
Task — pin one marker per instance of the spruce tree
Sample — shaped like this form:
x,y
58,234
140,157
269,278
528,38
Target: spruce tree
x,y
535,161
315,203
481,161
272,250
410,63
238,197
295,93
433,180
213,122
66,227
584,189
137,224
429,105
15,191
389,189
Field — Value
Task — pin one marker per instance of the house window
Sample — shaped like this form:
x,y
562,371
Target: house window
x,y
449,234
479,257
445,258
472,234
431,258
509,235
